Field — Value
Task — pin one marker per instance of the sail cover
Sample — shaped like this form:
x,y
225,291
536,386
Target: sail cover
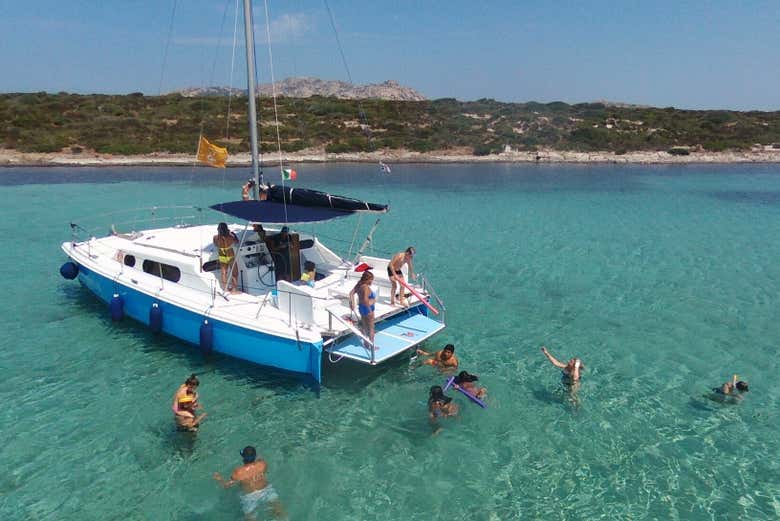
x,y
315,198
272,212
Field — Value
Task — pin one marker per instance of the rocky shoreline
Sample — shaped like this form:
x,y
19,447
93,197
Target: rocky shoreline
x,y
12,158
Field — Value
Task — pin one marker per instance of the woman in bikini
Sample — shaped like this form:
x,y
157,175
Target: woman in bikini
x,y
366,299
224,241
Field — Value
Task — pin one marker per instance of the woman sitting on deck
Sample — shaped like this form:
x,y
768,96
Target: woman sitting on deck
x,y
366,299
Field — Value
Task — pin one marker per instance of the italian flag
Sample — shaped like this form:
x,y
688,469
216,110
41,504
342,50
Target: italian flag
x,y
288,174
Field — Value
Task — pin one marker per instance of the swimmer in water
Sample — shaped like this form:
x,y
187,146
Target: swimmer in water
x,y
185,417
443,359
570,370
440,405
465,381
254,485
734,389
189,387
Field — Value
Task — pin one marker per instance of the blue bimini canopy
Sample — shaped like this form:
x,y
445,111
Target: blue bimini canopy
x,y
274,213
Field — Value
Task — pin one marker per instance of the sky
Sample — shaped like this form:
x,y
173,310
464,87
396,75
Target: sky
x,y
717,54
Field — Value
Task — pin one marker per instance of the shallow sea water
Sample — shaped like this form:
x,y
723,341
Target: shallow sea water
x,y
663,279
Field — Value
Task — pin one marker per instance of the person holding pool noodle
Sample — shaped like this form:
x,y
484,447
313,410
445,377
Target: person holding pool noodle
x,y
463,382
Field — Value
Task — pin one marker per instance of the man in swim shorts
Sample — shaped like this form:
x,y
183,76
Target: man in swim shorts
x,y
444,359
256,489
395,274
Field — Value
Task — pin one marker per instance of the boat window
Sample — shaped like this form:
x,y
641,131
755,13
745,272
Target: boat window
x,y
211,265
130,260
167,271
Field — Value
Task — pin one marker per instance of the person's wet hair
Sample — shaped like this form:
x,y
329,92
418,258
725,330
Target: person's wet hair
x,y
436,394
742,386
410,250
366,277
465,377
192,380
249,454
222,229
449,347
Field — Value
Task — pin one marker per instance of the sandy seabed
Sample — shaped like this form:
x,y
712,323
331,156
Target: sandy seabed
x,y
15,158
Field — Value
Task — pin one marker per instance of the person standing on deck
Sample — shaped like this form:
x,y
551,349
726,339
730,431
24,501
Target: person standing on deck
x,y
224,241
246,189
366,299
257,490
395,274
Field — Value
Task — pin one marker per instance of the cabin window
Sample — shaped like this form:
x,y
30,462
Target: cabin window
x,y
211,265
158,269
130,260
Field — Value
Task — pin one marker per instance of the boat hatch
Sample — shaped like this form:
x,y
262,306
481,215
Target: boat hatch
x,y
391,338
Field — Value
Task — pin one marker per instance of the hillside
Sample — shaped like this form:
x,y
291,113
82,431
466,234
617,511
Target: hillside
x,y
308,87
138,124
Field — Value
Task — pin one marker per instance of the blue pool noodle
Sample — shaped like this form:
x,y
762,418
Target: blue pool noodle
x,y
468,395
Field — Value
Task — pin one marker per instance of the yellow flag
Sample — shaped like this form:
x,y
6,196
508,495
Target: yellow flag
x,y
211,154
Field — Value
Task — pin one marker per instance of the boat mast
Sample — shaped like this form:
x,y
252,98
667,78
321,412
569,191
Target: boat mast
x,y
250,85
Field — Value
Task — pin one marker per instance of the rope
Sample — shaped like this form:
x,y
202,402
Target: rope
x,y
361,112
276,110
232,66
210,80
165,51
332,361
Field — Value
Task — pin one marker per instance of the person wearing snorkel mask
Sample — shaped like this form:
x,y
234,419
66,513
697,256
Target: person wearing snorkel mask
x,y
254,484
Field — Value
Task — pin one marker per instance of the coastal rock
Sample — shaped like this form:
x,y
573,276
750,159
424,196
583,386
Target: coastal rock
x,y
308,87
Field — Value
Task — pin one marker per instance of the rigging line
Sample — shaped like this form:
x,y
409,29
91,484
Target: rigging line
x,y
276,110
258,126
165,51
232,66
362,113
202,104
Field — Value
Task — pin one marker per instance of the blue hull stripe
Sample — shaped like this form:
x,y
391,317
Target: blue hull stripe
x,y
253,346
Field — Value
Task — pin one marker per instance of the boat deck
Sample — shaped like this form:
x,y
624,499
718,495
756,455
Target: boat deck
x,y
392,337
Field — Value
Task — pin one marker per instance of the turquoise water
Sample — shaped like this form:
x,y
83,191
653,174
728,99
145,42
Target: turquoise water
x,y
664,280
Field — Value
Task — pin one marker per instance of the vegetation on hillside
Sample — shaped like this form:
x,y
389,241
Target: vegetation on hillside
x,y
138,124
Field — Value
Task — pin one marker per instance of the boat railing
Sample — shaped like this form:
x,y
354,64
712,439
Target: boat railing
x,y
121,221
368,345
428,288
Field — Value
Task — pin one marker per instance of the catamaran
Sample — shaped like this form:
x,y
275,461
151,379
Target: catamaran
x,y
168,278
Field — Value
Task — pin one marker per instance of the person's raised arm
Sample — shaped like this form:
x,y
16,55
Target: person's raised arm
x,y
554,361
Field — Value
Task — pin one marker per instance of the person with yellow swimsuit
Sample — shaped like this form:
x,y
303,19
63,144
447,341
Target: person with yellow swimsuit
x,y
224,241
